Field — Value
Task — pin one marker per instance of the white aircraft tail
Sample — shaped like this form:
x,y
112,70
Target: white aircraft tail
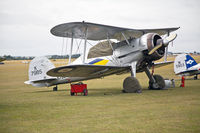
x,y
38,68
182,63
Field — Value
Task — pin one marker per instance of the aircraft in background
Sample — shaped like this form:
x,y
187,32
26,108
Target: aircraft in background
x,y
185,65
135,50
1,60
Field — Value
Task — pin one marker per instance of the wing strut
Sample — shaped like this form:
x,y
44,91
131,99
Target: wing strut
x,y
70,54
85,43
126,39
109,42
133,68
112,50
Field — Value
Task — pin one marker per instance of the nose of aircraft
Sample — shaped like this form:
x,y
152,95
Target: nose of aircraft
x,y
163,42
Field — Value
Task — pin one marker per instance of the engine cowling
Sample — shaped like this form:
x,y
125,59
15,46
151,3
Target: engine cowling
x,y
150,40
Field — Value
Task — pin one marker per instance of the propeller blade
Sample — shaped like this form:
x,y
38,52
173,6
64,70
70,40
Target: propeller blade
x,y
155,48
168,39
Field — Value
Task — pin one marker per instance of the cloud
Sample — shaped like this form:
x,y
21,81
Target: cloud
x,y
26,24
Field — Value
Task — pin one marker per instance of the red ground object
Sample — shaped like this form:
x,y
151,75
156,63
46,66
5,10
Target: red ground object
x,y
79,88
182,82
152,69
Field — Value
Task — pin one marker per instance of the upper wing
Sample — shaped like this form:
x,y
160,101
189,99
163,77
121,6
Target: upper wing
x,y
85,71
100,32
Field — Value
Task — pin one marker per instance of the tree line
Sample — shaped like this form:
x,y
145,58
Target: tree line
x,y
10,57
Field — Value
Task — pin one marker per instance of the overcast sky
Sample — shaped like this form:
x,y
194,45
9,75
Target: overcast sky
x,y
25,24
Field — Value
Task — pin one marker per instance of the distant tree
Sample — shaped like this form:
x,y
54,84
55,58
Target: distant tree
x,y
9,57
63,56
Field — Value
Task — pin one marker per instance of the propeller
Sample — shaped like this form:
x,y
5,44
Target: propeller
x,y
163,42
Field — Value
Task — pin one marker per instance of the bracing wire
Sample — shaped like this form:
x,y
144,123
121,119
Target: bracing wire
x,y
66,43
63,43
78,46
64,48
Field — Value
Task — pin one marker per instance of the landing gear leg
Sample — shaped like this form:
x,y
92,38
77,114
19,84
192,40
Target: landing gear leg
x,y
55,88
156,82
195,77
131,84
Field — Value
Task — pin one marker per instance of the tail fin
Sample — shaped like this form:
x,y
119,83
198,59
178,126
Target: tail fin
x,y
38,68
182,63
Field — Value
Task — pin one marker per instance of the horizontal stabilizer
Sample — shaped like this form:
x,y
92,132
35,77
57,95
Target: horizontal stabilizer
x,y
183,63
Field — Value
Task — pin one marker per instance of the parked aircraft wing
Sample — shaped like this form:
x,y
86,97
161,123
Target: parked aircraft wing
x,y
86,71
40,81
101,32
160,64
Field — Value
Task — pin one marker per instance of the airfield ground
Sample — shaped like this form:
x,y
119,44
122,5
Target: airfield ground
x,y
26,109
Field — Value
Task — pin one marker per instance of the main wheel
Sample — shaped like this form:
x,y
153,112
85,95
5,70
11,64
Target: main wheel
x,y
72,93
131,85
159,85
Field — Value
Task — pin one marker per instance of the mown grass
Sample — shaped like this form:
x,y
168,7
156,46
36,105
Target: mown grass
x,y
25,108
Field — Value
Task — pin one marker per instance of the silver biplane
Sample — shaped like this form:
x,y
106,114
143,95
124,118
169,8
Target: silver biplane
x,y
135,50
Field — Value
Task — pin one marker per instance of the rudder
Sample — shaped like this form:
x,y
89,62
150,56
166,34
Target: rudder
x,y
190,61
38,68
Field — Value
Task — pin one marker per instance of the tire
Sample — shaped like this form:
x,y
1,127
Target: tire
x,y
72,93
195,77
131,85
55,88
160,83
85,92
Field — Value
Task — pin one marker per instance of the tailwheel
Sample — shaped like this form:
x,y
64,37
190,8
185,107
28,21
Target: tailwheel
x,y
131,85
195,77
55,88
159,83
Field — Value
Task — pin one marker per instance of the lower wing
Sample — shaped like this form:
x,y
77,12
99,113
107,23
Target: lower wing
x,y
92,70
160,64
86,71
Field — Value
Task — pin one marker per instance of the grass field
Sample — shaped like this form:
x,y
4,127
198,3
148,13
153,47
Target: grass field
x,y
26,109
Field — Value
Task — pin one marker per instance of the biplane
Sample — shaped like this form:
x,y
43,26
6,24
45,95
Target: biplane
x,y
119,51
